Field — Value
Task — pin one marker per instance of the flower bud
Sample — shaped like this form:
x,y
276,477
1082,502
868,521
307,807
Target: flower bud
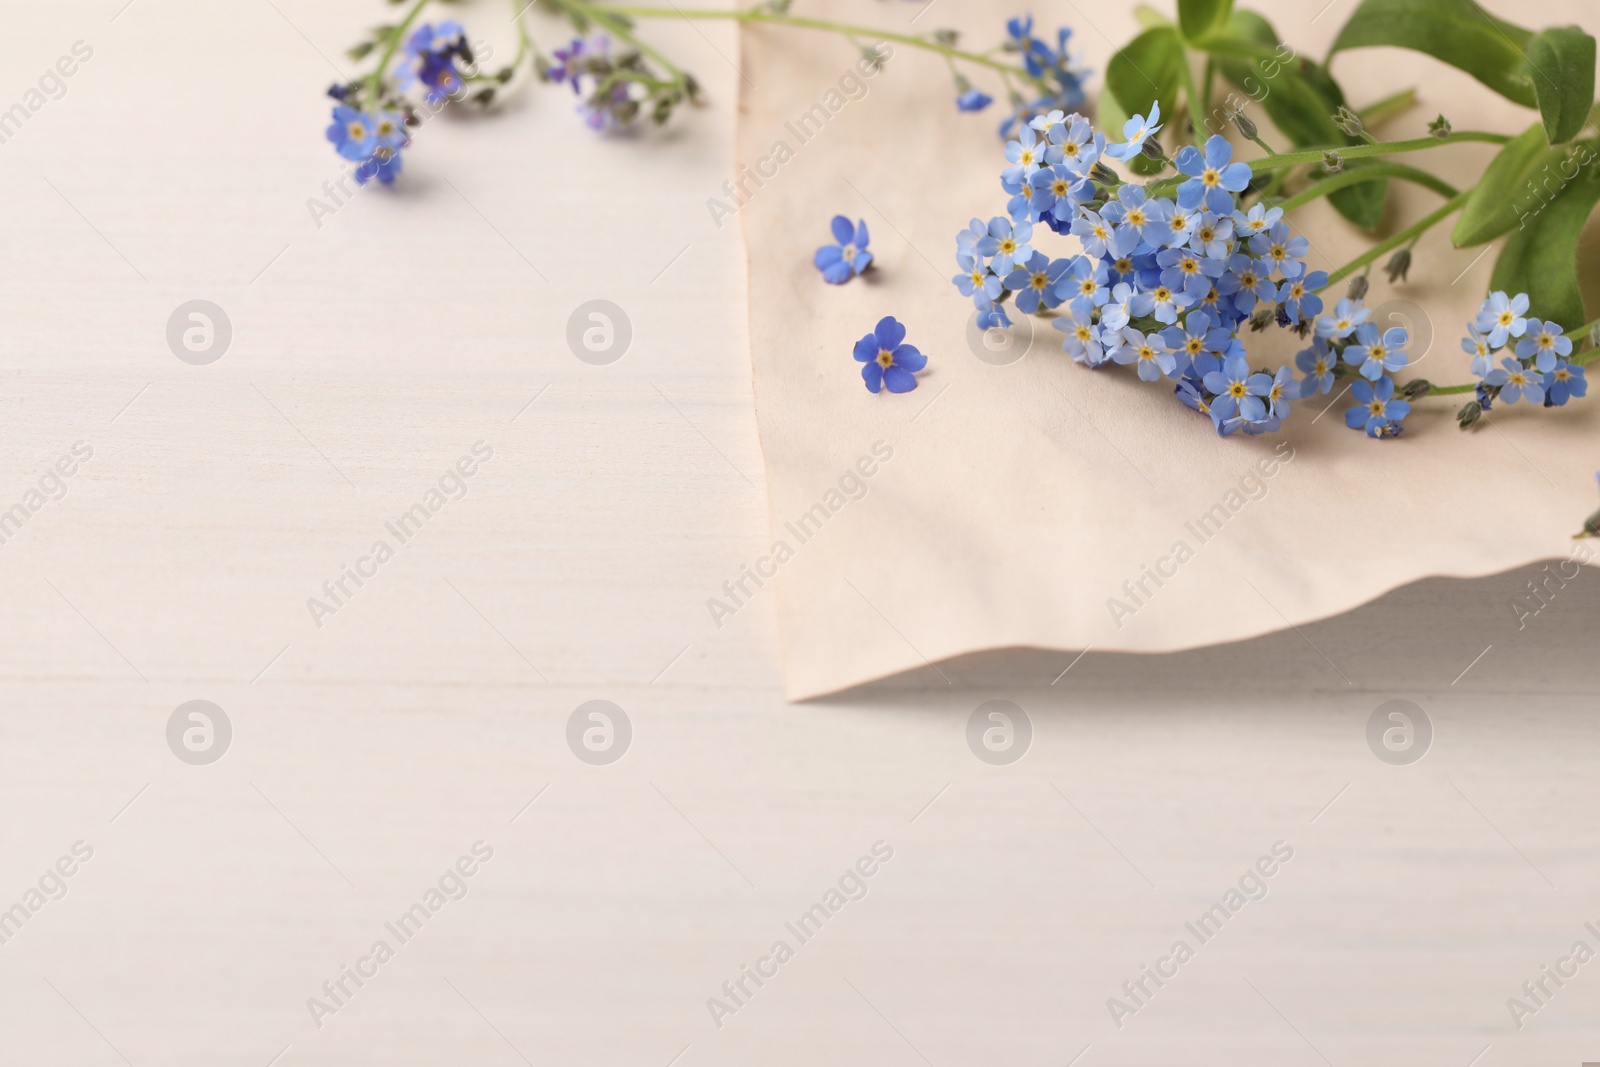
x,y
1399,266
1153,150
1245,125
1348,121
1358,287
1468,416
1440,127
1101,174
1332,162
1416,390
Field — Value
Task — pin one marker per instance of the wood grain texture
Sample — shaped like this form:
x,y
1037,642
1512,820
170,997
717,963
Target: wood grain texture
x,y
370,754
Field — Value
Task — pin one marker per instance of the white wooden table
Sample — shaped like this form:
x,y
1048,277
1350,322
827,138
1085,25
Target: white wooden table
x,y
431,710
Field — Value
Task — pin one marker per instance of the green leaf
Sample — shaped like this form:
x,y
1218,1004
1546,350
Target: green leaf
x,y
1521,178
1541,258
1202,19
1147,70
1362,204
1300,97
1561,64
1459,32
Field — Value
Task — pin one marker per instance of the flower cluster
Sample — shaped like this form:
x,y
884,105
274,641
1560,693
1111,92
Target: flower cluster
x,y
1538,368
615,87
429,61
1347,343
1165,285
1051,74
371,140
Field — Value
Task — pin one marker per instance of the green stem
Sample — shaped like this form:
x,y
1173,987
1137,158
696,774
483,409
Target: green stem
x,y
1410,233
1366,174
375,79
805,23
607,17
1360,151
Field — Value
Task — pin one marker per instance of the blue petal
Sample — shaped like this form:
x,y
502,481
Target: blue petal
x,y
827,256
872,374
838,274
843,232
863,238
899,380
866,349
1219,151
889,332
910,358
1356,418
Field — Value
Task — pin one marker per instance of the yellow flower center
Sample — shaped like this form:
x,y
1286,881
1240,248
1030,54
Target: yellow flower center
x,y
1040,281
1008,246
885,358
1237,390
1211,177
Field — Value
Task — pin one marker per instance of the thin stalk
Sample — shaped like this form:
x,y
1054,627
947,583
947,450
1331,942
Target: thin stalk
x,y
607,17
1367,174
804,23
375,79
1410,233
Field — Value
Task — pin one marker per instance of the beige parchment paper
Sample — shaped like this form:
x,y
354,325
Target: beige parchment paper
x,y
1016,504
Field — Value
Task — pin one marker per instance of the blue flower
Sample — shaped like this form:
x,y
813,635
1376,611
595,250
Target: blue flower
x,y
1211,236
1284,389
1298,296
1088,284
1212,178
1347,317
1282,250
1135,132
1247,281
1149,354
429,58
1137,220
1564,382
1080,146
1007,244
384,165
568,63
1516,382
990,314
976,280
1198,335
1177,223
1026,155
967,240
1377,412
1036,284
1503,318
1476,345
888,360
1238,392
1543,343
848,256
974,100
351,133
1082,342
1375,355
1057,191
1095,232
1125,305
1260,219
1167,303
1318,363
1183,268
